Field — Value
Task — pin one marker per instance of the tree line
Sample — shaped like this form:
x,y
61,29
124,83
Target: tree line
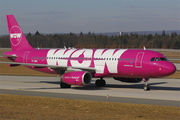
x,y
91,40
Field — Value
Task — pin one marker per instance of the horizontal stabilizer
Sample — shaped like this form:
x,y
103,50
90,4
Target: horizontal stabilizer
x,y
10,56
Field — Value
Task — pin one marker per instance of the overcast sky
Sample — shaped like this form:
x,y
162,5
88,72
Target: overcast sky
x,y
64,16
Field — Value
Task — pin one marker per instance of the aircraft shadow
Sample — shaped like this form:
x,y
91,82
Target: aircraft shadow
x,y
50,82
92,86
73,87
89,87
140,86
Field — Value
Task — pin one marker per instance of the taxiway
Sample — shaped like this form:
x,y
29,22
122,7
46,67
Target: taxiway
x,y
163,91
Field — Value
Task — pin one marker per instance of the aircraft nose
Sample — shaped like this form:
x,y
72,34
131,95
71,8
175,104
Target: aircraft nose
x,y
168,69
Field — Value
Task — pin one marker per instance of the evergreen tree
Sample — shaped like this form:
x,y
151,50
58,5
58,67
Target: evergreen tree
x,y
29,34
37,33
163,33
81,34
92,40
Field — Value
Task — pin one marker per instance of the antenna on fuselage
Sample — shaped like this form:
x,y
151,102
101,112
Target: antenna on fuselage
x,y
144,47
64,45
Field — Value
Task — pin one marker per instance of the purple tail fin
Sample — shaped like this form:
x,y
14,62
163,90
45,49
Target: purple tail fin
x,y
17,38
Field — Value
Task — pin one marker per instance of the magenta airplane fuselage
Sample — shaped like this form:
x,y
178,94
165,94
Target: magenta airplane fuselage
x,y
78,66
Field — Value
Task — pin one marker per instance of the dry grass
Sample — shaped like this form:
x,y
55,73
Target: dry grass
x,y
170,54
19,70
2,50
16,107
176,75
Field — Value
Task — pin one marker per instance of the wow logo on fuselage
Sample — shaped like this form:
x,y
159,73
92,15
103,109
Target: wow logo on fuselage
x,y
15,35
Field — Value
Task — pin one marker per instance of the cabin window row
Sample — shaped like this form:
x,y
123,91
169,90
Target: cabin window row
x,y
90,58
127,59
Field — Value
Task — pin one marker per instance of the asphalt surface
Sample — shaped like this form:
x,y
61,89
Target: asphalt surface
x,y
163,91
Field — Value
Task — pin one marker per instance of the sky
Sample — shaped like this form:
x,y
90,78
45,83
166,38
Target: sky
x,y
98,16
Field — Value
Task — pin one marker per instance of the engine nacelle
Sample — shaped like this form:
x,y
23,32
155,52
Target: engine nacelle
x,y
128,80
76,78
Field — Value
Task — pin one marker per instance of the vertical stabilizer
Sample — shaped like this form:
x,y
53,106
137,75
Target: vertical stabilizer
x,y
17,38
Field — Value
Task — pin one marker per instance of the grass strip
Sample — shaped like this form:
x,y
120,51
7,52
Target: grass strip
x,y
18,107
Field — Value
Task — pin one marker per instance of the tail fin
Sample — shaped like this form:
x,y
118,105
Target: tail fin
x,y
17,38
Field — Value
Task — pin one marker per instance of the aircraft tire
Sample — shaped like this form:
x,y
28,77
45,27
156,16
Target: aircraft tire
x,y
147,88
100,83
64,85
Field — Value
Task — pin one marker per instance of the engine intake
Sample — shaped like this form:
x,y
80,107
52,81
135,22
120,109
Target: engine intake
x,y
76,78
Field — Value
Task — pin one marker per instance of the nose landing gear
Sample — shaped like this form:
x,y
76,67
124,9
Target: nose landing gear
x,y
146,86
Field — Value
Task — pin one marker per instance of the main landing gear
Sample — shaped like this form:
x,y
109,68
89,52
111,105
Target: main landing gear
x,y
100,82
146,86
64,85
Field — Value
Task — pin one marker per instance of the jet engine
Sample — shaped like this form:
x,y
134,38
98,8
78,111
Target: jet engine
x,y
76,78
128,80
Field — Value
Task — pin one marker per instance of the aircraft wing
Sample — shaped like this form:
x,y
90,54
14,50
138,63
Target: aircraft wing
x,y
70,68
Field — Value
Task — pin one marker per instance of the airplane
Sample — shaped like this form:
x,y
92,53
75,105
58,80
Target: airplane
x,y
79,66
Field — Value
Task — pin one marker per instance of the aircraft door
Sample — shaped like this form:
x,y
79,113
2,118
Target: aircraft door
x,y
25,57
139,58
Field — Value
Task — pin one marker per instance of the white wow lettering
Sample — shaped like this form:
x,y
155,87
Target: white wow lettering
x,y
59,53
85,54
110,54
15,35
90,58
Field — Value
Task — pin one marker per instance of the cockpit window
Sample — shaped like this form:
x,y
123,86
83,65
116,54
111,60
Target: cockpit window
x,y
152,59
163,59
158,59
